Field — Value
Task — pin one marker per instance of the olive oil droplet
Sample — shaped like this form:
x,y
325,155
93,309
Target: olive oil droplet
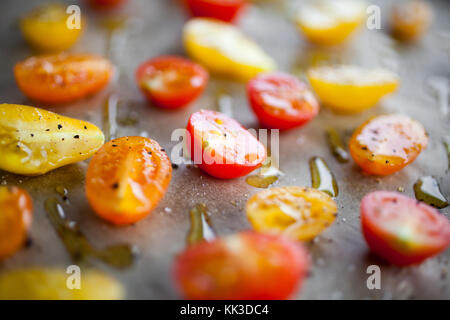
x,y
427,189
322,178
336,145
201,227
268,174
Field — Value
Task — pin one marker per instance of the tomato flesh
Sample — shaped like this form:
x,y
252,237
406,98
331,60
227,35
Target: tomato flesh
x,y
15,219
62,78
385,144
243,266
281,101
171,82
402,230
221,146
225,10
127,178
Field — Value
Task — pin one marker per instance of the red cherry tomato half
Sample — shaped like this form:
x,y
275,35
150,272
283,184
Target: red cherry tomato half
x,y
106,4
402,230
171,82
281,101
221,146
225,10
243,266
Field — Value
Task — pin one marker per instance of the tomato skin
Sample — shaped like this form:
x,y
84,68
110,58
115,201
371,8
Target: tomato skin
x,y
232,268
127,178
383,213
239,164
190,82
106,4
63,77
16,212
225,10
386,144
299,103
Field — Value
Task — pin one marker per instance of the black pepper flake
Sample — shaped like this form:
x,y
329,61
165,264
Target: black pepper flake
x,y
114,145
85,127
174,166
32,135
59,127
364,148
163,149
387,161
115,185
62,139
76,137
150,153
47,129
28,242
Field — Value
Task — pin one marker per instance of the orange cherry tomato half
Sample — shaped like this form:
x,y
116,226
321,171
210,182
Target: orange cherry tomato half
x,y
243,266
106,4
281,101
402,230
63,77
225,10
15,219
221,146
385,144
171,82
127,178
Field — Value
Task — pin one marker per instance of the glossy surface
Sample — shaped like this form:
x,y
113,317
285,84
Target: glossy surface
x,y
127,178
350,89
427,189
401,230
220,146
387,143
321,177
62,78
297,212
225,10
34,141
46,28
328,22
16,212
201,228
281,101
51,284
232,268
223,48
336,145
170,81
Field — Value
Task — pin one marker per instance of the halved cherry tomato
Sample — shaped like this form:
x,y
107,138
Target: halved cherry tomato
x,y
127,178
402,230
171,82
281,101
46,28
221,146
410,20
386,144
243,266
225,10
15,219
296,212
62,78
106,4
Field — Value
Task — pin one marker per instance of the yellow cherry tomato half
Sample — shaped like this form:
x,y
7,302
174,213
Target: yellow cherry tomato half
x,y
15,219
47,28
223,48
299,213
34,141
351,89
52,284
330,22
385,144
410,20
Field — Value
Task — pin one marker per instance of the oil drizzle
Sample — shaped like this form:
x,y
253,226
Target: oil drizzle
x,y
78,246
427,189
322,178
446,143
268,175
201,227
336,145
109,117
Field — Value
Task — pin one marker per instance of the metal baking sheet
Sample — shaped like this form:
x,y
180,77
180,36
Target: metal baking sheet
x,y
340,256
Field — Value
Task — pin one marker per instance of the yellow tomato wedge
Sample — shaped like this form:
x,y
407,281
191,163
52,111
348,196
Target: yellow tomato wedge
x,y
330,22
53,284
297,212
34,141
46,28
350,89
224,49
